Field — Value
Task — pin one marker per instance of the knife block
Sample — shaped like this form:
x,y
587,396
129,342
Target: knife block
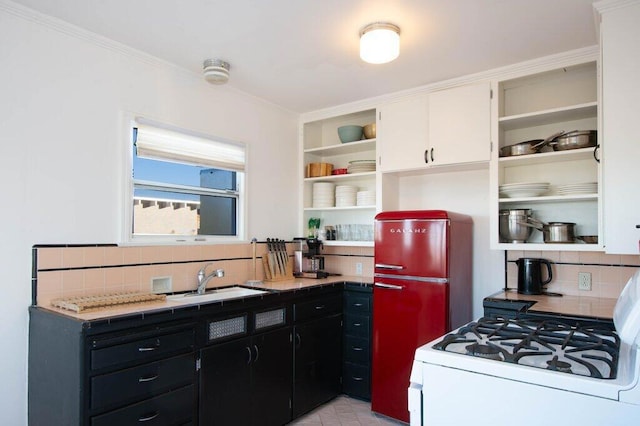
x,y
277,274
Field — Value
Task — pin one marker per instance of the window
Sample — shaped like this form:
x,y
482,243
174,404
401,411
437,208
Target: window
x,y
184,186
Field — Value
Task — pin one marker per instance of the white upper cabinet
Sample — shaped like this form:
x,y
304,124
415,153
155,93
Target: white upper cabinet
x,y
620,33
460,125
442,128
534,107
321,144
402,132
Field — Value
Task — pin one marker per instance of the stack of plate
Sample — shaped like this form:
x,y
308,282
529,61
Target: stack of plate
x,y
323,194
366,198
361,166
522,190
577,188
346,195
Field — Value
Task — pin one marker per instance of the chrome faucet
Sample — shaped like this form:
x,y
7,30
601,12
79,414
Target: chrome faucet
x,y
204,279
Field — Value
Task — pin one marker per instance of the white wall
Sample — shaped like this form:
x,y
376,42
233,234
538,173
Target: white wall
x,y
468,193
62,96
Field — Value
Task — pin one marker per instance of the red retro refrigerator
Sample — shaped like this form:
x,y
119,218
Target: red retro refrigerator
x,y
422,290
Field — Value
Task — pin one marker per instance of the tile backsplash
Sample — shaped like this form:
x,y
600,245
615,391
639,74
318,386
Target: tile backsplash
x,y
609,273
68,271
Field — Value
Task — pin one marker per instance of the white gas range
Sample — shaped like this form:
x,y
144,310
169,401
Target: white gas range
x,y
505,371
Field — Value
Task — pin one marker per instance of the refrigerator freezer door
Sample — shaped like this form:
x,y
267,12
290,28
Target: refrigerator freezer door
x,y
412,248
406,315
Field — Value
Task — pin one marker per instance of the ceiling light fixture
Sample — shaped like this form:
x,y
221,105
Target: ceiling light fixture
x,y
216,71
379,43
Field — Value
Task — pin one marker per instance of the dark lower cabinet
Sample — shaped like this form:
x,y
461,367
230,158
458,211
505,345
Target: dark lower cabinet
x,y
318,361
356,368
247,381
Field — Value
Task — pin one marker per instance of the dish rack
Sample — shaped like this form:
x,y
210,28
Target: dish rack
x,y
107,300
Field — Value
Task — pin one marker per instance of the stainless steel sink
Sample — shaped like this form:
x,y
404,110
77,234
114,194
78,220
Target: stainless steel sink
x,y
226,293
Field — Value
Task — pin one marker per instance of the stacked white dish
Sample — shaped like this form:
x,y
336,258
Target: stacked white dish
x,y
323,194
577,188
523,190
366,198
346,195
361,166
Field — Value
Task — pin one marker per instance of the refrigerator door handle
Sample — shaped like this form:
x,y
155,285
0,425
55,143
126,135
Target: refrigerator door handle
x,y
389,286
385,266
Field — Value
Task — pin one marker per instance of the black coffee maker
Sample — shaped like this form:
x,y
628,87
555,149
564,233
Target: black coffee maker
x,y
314,261
530,274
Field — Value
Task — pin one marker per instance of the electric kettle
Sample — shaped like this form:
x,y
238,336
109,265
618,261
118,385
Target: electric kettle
x,y
530,275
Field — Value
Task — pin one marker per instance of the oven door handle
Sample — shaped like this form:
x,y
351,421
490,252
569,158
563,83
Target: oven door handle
x,y
389,286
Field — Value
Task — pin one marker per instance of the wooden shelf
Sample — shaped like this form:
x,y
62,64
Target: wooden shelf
x,y
555,115
348,176
343,148
550,199
550,247
311,209
548,157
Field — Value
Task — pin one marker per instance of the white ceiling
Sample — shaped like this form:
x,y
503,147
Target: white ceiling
x,y
303,54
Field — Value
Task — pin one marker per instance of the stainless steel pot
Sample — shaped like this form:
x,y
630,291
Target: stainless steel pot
x,y
513,227
575,139
555,232
527,147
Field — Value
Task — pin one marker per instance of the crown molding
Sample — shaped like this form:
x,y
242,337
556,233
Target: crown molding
x,y
520,69
603,6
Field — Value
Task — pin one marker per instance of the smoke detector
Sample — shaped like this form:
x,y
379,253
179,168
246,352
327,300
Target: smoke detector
x,y
216,71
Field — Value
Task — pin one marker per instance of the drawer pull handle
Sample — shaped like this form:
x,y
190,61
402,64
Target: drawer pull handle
x,y
356,348
357,379
356,324
357,305
320,307
150,348
147,379
148,418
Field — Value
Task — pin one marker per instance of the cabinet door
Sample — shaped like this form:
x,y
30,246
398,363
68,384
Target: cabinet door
x,y
225,381
318,362
460,124
620,111
272,377
402,134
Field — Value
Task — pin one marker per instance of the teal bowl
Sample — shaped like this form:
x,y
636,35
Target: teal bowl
x,y
350,133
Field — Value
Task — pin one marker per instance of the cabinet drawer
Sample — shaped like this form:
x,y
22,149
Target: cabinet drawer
x,y
357,325
356,381
142,349
357,303
315,308
172,408
356,349
141,382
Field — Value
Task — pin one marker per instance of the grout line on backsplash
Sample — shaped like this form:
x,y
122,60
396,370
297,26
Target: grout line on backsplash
x,y
621,265
73,268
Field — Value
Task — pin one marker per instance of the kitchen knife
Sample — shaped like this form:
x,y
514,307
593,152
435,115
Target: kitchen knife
x,y
276,255
281,256
272,260
283,262
285,256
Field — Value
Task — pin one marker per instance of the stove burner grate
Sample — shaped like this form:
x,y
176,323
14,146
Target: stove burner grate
x,y
548,344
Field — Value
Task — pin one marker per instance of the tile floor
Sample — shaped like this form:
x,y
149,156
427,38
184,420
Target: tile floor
x,y
344,411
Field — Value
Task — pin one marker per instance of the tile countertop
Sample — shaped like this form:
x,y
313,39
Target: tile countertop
x,y
155,307
595,307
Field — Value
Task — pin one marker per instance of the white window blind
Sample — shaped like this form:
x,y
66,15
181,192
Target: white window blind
x,y
162,144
